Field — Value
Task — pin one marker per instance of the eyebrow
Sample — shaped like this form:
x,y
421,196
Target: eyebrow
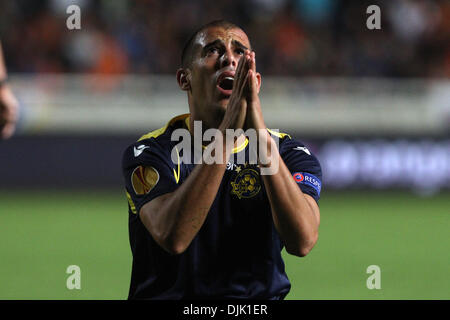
x,y
239,45
211,44
236,43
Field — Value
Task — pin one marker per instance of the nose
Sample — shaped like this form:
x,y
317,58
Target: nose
x,y
229,59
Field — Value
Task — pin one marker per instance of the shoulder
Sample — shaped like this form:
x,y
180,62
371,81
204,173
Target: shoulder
x,y
287,143
292,145
303,165
156,143
180,121
295,151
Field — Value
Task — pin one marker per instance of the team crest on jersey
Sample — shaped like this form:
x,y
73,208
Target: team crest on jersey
x,y
246,184
143,179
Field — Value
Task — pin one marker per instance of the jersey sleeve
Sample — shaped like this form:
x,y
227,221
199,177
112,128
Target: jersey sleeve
x,y
303,165
148,172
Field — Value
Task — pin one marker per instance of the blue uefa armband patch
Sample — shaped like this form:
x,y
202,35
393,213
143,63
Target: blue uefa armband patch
x,y
308,179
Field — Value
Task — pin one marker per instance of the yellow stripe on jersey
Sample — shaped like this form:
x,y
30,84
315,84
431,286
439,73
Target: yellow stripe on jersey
x,y
130,202
160,131
279,134
187,122
241,147
234,150
175,173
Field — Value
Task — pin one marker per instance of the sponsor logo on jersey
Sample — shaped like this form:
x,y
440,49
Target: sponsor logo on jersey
x,y
308,179
144,179
246,184
304,149
298,177
139,149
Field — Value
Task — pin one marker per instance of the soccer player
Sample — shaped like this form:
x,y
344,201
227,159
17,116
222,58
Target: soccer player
x,y
217,230
8,104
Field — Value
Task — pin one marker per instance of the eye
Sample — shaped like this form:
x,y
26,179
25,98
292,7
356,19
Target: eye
x,y
240,51
212,50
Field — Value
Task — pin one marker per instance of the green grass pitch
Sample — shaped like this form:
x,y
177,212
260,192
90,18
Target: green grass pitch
x,y
407,236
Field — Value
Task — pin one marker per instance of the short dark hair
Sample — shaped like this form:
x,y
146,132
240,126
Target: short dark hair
x,y
186,54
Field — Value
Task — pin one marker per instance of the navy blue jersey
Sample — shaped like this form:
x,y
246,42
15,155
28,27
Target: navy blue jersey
x,y
237,252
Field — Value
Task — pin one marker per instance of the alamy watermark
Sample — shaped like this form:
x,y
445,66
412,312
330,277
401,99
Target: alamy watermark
x,y
374,280
73,22
263,151
74,280
374,20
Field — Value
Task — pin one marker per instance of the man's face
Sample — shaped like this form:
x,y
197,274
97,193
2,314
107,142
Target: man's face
x,y
215,56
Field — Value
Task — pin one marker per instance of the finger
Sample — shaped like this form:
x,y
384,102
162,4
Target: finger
x,y
7,131
8,115
244,67
244,88
238,73
252,81
14,111
253,62
252,85
242,79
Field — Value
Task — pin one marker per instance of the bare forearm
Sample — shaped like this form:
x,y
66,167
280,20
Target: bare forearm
x,y
293,216
182,213
190,205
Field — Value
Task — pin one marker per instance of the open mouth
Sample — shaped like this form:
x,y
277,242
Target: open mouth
x,y
225,85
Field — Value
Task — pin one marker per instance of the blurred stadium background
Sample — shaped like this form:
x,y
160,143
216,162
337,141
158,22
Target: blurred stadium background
x,y
374,105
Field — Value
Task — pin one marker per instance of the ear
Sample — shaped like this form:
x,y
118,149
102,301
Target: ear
x,y
183,79
258,79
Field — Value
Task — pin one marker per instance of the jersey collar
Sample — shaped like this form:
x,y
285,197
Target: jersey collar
x,y
234,150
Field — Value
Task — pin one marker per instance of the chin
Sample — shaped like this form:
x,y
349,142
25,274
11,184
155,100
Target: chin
x,y
223,105
223,102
